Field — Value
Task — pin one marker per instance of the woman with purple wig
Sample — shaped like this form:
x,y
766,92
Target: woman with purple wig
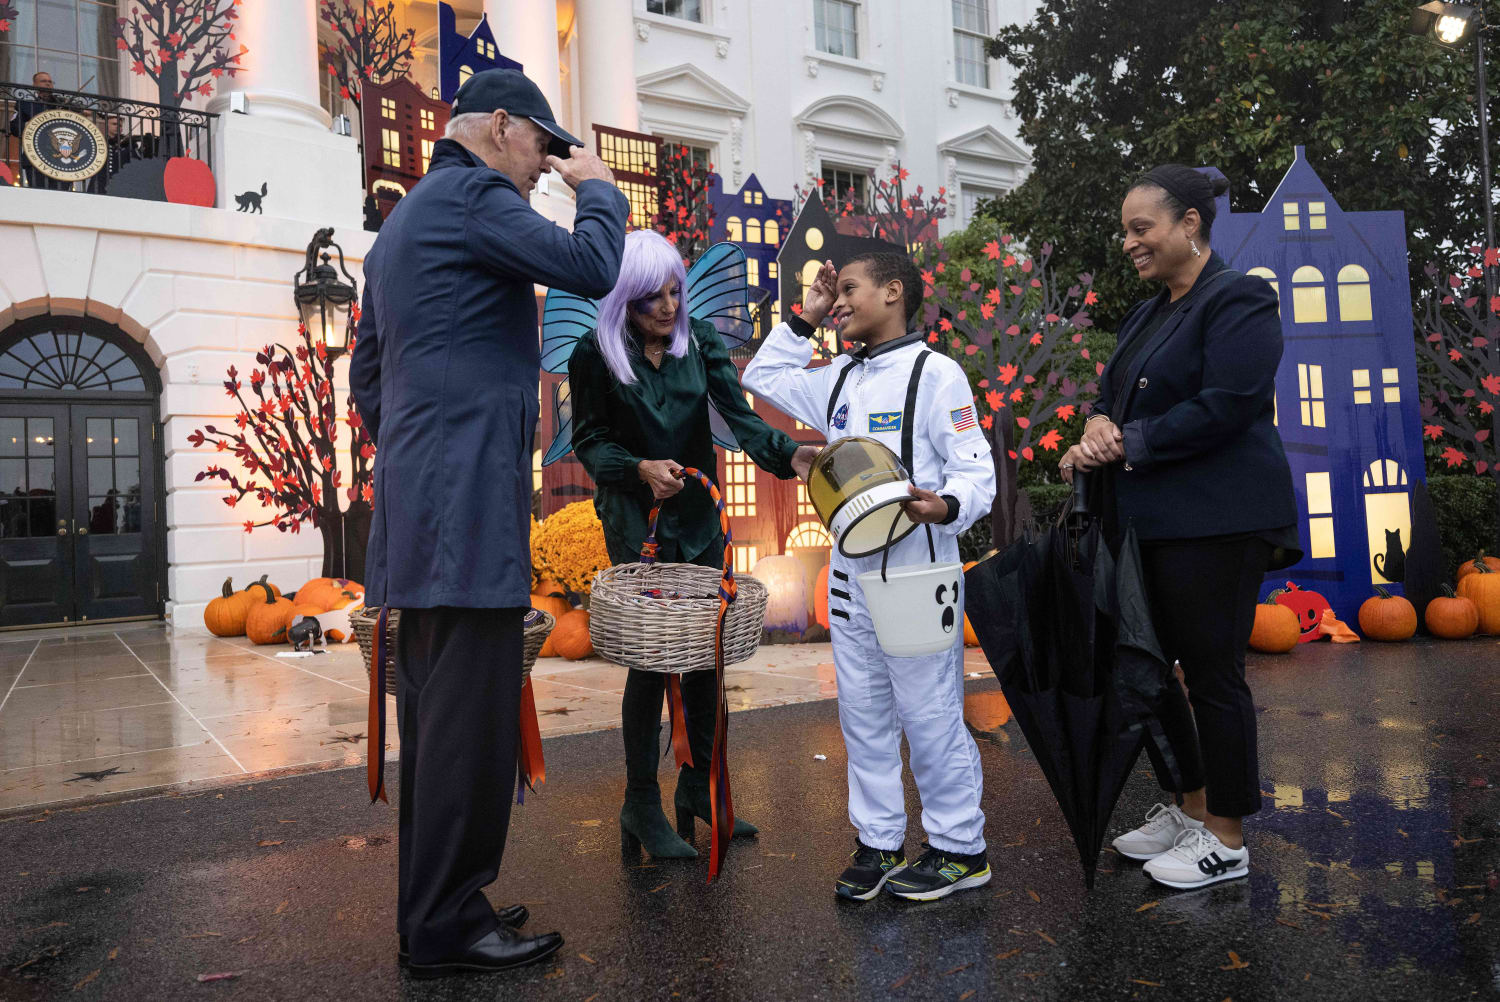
x,y
641,385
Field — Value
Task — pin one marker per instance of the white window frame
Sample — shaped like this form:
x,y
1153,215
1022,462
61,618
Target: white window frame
x,y
982,36
705,12
859,29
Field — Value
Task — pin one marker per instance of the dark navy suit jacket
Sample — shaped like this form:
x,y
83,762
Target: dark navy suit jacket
x,y
1202,453
444,374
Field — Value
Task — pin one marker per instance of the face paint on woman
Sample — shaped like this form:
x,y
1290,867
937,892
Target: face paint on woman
x,y
656,315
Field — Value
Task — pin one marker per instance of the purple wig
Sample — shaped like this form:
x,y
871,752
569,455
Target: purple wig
x,y
649,263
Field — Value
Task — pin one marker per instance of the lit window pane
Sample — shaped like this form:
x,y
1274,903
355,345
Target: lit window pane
x,y
1320,493
1320,538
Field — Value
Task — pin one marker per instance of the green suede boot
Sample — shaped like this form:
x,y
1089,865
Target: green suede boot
x,y
700,693
643,823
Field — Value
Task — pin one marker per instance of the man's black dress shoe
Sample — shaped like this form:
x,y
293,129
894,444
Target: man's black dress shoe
x,y
498,951
512,916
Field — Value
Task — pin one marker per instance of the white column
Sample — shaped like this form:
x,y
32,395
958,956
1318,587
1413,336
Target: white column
x,y
526,31
280,74
606,64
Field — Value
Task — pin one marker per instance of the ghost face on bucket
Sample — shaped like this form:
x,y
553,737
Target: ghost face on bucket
x,y
946,598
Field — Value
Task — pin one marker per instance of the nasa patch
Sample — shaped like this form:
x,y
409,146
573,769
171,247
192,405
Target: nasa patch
x,y
841,416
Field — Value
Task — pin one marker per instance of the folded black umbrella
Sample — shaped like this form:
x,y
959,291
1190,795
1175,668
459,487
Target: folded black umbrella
x,y
1067,629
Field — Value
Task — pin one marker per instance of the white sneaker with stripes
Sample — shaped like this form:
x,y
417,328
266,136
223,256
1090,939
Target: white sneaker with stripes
x,y
1198,859
1163,824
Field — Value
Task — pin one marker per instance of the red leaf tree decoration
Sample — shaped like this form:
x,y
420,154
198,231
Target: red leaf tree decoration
x,y
286,440
1459,345
1021,330
686,215
370,46
182,45
8,16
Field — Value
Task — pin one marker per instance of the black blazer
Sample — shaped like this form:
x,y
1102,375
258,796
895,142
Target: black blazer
x,y
1202,453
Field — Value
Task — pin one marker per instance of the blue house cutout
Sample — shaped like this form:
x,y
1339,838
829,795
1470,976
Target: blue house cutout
x,y
758,224
461,56
1346,391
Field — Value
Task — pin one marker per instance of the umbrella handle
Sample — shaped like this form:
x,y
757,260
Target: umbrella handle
x,y
1081,493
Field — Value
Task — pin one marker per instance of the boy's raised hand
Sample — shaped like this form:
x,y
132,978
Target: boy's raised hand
x,y
820,296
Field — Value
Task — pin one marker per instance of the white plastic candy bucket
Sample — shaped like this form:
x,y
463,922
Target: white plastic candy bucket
x,y
915,609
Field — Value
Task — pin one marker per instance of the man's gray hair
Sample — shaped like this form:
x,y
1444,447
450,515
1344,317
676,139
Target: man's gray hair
x,y
471,126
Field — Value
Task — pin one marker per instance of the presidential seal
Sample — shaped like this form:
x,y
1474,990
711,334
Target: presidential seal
x,y
64,145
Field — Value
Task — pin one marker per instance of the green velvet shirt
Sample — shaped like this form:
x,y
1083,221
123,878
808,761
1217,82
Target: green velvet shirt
x,y
664,415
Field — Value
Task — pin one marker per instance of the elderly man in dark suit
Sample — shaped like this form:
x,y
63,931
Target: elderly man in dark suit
x,y
444,375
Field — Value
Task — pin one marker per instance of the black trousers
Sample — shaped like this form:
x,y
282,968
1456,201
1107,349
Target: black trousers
x,y
458,700
1203,595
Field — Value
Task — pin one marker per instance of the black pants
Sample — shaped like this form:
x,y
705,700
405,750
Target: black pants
x,y
1203,595
458,698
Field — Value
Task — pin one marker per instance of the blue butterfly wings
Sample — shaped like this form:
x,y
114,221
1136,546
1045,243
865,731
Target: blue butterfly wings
x,y
718,291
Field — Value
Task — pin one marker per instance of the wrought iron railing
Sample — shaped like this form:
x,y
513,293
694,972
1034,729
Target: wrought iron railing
x,y
760,318
132,131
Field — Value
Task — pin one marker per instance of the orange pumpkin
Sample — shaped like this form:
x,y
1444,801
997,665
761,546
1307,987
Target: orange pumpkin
x,y
268,619
264,584
971,639
570,638
1472,566
323,591
1483,589
1387,617
1451,616
1276,628
557,608
820,598
225,615
344,599
550,588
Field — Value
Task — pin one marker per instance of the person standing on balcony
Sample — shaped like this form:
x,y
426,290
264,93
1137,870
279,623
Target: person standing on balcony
x,y
25,112
445,377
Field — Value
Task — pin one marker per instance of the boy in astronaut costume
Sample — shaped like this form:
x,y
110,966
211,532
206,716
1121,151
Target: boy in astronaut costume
x,y
873,392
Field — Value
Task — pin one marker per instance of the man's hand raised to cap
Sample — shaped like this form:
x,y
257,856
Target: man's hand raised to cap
x,y
579,167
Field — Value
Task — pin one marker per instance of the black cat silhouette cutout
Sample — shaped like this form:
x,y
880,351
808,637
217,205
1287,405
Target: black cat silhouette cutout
x,y
1392,563
250,200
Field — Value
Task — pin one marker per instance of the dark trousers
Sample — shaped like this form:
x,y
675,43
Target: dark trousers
x,y
1203,595
458,696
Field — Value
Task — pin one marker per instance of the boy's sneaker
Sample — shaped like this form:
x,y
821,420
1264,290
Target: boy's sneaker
x,y
1163,824
869,871
938,874
1198,859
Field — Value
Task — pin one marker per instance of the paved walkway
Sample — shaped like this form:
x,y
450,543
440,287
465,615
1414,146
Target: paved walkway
x,y
1373,878
97,710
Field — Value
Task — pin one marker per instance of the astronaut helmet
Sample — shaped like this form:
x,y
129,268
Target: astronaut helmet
x,y
857,486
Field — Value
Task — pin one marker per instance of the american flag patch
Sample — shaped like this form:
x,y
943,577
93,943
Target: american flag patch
x,y
963,418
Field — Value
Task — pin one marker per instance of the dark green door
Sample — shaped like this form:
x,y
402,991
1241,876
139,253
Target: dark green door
x,y
36,541
80,474
113,517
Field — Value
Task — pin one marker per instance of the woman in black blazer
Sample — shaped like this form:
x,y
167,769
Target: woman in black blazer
x,y
1185,424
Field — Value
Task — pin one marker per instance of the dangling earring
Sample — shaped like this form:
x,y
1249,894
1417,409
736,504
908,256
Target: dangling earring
x,y
1196,251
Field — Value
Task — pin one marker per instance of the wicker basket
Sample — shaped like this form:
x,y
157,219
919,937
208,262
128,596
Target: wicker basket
x,y
672,630
364,620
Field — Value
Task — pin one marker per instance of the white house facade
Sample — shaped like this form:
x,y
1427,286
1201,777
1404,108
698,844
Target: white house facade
x,y
119,317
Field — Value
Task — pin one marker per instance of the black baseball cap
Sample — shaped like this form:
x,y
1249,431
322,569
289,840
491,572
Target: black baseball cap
x,y
491,90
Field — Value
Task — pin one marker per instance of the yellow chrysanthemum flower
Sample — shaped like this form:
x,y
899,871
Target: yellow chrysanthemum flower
x,y
569,547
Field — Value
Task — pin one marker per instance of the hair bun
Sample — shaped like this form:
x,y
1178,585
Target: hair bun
x,y
1220,185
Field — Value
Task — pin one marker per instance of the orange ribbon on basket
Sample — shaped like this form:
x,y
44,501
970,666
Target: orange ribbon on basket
x,y
532,766
721,803
375,725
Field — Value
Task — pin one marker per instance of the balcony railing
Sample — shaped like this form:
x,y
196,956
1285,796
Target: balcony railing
x,y
132,131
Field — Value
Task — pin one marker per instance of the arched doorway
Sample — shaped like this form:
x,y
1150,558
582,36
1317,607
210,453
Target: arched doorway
x,y
80,474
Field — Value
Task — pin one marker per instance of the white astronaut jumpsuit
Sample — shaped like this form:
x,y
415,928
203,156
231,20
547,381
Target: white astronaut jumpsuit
x,y
880,696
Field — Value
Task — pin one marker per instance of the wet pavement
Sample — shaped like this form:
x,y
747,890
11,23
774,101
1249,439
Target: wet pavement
x,y
130,707
1373,876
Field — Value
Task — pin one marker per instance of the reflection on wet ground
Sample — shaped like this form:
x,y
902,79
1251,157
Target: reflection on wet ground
x,y
111,709
1374,864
